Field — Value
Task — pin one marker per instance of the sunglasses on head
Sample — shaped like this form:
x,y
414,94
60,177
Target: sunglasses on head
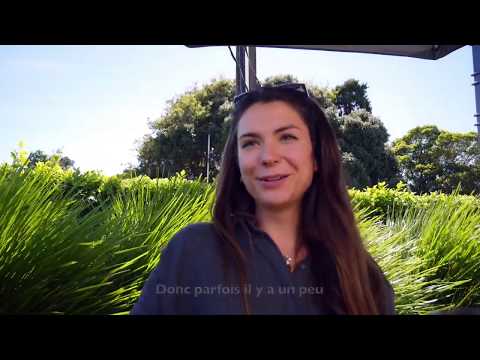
x,y
292,87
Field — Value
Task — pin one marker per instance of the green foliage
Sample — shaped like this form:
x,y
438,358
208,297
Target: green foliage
x,y
57,158
84,185
435,160
323,95
399,247
179,138
382,201
355,171
362,138
36,157
277,80
351,96
60,255
19,157
445,236
55,258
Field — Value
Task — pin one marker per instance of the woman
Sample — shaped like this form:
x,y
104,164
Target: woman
x,y
283,238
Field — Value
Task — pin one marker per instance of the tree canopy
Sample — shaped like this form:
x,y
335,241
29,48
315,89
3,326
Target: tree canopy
x,y
178,140
431,159
40,156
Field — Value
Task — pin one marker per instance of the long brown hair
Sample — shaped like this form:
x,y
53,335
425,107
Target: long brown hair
x,y
340,262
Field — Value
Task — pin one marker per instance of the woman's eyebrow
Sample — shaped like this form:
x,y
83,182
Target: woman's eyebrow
x,y
283,128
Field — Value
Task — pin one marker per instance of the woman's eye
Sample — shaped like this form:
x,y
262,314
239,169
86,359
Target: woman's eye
x,y
247,144
288,137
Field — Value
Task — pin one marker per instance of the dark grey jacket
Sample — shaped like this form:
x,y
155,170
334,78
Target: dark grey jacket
x,y
190,279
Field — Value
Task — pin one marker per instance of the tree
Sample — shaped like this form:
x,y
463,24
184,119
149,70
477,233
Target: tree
x,y
179,138
66,162
36,157
436,160
40,156
459,159
323,95
279,80
351,96
355,172
363,140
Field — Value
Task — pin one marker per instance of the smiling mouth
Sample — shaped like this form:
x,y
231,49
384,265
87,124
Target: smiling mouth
x,y
273,179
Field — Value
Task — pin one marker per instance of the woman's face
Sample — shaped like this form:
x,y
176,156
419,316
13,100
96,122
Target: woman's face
x,y
275,155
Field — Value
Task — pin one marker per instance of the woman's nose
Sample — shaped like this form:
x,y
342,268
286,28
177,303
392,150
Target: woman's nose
x,y
269,154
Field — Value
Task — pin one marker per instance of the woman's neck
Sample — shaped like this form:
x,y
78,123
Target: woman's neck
x,y
282,226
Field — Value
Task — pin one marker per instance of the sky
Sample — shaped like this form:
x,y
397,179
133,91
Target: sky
x,y
94,102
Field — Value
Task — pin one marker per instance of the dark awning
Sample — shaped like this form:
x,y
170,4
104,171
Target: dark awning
x,y
431,52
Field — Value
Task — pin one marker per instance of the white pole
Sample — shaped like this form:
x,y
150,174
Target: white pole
x,y
208,156
476,84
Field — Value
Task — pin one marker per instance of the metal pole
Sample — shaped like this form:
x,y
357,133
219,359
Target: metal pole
x,y
208,156
240,67
252,68
476,84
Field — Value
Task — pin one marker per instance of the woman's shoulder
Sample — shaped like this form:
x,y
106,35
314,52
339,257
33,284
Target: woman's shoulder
x,y
189,260
193,239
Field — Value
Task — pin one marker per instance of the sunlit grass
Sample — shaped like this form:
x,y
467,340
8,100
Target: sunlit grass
x,y
58,255
431,256
56,259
